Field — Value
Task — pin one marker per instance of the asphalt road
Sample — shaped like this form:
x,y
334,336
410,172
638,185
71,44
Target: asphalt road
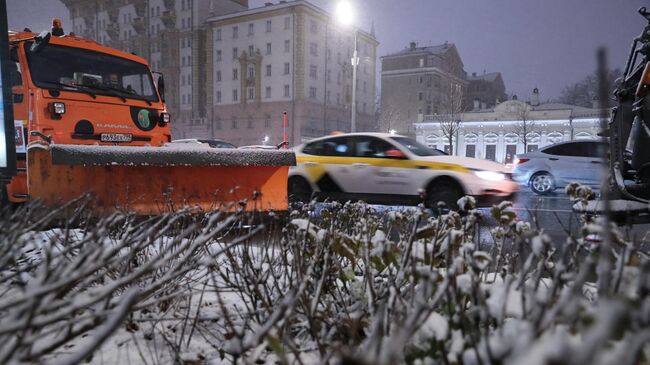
x,y
554,215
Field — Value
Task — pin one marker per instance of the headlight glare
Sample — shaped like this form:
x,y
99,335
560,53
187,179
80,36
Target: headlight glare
x,y
490,175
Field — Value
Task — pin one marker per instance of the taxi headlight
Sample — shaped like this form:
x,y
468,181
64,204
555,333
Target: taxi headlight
x,y
490,175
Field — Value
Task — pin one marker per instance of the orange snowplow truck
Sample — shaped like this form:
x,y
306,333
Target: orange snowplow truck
x,y
91,121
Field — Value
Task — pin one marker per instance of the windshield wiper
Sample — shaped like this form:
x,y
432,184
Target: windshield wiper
x,y
59,86
117,92
111,91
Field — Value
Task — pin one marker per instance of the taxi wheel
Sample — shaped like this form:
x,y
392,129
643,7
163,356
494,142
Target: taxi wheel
x,y
299,190
445,191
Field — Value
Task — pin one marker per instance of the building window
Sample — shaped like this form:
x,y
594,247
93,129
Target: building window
x,y
267,121
251,93
420,97
235,95
218,55
365,87
268,48
286,91
218,97
235,52
250,122
268,92
251,72
313,72
234,122
286,68
218,35
328,97
251,29
235,32
217,123
312,93
313,49
235,74
287,23
470,150
313,26
491,152
269,26
268,70
219,76
329,75
421,62
251,50
329,54
364,107
287,46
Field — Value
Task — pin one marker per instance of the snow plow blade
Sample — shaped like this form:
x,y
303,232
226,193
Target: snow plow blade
x,y
156,180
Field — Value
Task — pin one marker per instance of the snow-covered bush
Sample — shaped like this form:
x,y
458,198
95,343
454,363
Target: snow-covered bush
x,y
347,285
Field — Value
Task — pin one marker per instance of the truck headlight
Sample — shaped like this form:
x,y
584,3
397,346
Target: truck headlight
x,y
57,109
165,118
489,175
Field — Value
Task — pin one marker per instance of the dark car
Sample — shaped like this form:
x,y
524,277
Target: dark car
x,y
213,143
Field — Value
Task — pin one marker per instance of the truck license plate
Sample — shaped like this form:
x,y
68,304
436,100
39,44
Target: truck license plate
x,y
116,137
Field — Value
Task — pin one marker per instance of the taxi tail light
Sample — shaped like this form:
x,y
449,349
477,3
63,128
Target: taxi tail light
x,y
519,161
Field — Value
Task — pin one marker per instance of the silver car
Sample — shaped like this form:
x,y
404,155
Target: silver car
x,y
559,164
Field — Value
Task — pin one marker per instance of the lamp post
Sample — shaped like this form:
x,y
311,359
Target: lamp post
x,y
345,16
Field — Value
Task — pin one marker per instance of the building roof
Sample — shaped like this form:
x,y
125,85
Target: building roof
x,y
440,49
268,7
489,77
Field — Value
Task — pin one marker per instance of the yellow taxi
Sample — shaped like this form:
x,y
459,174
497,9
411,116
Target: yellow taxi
x,y
381,168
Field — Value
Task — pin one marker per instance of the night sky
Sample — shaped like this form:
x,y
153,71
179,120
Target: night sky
x,y
533,43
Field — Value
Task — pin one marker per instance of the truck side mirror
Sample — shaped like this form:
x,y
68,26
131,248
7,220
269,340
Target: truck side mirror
x,y
40,41
161,86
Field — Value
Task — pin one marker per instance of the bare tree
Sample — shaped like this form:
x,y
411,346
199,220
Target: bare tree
x,y
525,126
450,109
389,119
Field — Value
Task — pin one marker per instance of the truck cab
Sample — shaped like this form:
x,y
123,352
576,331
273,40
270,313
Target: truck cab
x,y
69,90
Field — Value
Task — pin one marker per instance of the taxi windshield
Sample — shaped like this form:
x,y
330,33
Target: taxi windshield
x,y
415,147
76,69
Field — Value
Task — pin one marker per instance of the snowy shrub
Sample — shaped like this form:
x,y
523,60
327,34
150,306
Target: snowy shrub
x,y
347,285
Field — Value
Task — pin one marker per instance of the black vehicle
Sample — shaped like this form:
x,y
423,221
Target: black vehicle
x,y
629,133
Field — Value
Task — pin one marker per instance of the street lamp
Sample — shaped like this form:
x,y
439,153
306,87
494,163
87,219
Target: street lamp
x,y
345,16
266,139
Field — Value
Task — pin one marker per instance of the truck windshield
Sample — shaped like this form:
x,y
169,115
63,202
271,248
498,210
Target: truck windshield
x,y
76,69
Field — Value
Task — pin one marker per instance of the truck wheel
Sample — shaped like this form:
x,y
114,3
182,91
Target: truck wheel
x,y
446,191
542,183
299,190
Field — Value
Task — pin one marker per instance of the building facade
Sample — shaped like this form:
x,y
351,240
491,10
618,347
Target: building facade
x,y
484,91
288,57
170,34
419,81
497,134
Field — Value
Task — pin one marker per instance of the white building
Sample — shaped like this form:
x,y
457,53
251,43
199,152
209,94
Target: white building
x,y
496,134
287,57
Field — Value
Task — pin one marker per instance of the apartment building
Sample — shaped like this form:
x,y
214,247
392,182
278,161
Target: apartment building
x,y
288,57
170,34
418,81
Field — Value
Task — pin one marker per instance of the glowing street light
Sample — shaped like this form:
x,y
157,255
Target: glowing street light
x,y
392,131
345,15
265,140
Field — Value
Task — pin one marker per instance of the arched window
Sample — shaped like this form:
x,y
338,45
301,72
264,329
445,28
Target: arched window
x,y
555,137
584,135
432,141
